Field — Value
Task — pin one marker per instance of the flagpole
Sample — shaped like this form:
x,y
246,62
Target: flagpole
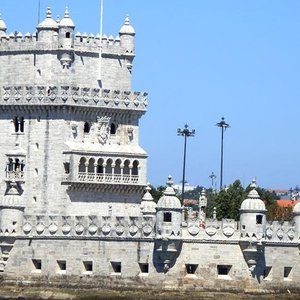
x,y
39,11
100,41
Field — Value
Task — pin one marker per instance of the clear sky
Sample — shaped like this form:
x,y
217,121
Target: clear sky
x,y
201,60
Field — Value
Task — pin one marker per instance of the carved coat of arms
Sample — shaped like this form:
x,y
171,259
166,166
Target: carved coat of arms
x,y
102,131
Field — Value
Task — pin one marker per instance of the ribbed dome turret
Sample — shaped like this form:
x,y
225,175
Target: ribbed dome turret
x,y
13,197
169,199
296,209
148,206
2,26
127,28
48,23
253,202
66,21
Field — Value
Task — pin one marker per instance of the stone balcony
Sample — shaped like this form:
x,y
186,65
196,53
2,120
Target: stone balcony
x,y
14,176
108,178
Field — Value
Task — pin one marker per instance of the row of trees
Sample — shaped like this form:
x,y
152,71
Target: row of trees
x,y
228,201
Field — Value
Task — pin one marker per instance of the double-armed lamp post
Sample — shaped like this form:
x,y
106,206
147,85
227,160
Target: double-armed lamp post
x,y
223,125
186,133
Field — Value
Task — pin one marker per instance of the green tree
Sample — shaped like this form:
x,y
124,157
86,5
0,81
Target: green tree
x,y
157,192
228,201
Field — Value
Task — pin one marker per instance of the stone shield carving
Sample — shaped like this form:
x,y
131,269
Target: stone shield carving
x,y
102,129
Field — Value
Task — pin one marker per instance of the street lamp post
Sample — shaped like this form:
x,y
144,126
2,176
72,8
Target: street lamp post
x,y
212,176
223,125
186,133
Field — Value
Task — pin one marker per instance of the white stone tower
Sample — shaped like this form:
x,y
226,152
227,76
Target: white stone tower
x,y
68,145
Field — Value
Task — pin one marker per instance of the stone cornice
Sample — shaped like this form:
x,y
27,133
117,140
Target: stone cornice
x,y
105,187
74,96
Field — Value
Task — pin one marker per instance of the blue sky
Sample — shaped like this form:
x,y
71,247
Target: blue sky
x,y
201,60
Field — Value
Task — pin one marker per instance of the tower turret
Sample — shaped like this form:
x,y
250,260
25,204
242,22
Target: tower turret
x,y
296,218
127,34
11,209
2,28
253,214
48,28
168,213
66,39
148,206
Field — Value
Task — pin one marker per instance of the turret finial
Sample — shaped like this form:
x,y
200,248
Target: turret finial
x,y
48,13
67,15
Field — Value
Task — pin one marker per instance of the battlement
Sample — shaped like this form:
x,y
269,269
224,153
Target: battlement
x,y
89,226
73,96
82,43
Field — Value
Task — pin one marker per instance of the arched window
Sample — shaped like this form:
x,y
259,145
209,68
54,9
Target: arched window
x,y
81,168
112,128
118,167
17,165
10,165
100,166
16,124
126,167
68,35
86,127
108,169
21,124
91,165
135,168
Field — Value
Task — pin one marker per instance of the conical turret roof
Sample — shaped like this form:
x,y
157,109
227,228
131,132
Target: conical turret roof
x,y
127,27
48,23
66,21
253,202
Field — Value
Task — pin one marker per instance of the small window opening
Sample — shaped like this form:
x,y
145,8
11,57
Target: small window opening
x,y
267,271
68,35
167,217
243,227
259,219
17,165
287,272
223,269
37,263
16,124
116,266
144,267
19,124
67,168
62,265
86,128
191,268
112,128
88,266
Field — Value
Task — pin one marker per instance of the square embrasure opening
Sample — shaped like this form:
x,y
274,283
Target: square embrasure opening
x,y
287,271
61,266
267,272
88,266
223,270
191,268
144,267
116,266
37,265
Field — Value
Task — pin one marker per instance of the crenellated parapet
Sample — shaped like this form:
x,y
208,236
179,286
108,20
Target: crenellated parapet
x,y
108,226
83,42
279,231
226,229
69,95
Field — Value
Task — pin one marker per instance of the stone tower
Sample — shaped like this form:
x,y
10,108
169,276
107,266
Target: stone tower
x,y
68,145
